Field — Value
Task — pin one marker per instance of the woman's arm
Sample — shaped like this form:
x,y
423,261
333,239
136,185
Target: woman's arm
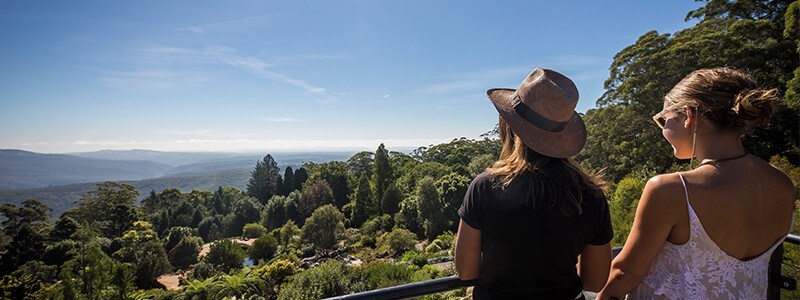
x,y
655,217
593,265
468,252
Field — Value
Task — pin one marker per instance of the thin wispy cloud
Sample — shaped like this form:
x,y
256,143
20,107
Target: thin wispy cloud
x,y
259,67
190,60
244,22
307,57
195,29
169,55
248,64
219,50
152,79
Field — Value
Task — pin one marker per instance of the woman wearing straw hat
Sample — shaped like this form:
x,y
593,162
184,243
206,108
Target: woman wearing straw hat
x,y
707,233
535,225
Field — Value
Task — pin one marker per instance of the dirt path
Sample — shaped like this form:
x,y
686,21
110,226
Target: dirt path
x,y
443,265
207,246
171,280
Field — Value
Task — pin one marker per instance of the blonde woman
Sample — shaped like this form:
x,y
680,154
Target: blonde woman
x,y
707,233
535,225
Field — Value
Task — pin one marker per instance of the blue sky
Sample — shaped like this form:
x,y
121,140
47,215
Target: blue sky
x,y
292,75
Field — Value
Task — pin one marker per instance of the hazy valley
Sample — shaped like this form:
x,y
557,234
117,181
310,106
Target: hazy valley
x,y
59,180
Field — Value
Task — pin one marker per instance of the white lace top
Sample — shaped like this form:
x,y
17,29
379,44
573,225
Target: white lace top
x,y
699,269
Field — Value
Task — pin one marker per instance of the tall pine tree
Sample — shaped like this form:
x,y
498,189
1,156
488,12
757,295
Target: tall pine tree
x,y
300,177
430,208
264,179
288,181
381,171
279,187
363,206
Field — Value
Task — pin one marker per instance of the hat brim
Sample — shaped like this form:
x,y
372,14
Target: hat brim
x,y
562,144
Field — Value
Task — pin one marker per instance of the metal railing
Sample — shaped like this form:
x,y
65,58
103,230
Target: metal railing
x,y
451,283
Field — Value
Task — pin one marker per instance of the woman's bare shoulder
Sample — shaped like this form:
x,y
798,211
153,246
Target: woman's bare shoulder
x,y
665,184
779,181
662,191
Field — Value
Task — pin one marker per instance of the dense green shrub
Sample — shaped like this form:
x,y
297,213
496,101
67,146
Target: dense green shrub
x,y
330,278
253,230
623,205
174,235
184,254
277,273
377,274
372,227
415,258
204,270
324,228
398,240
264,248
225,255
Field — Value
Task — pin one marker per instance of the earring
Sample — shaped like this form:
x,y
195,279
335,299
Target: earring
x,y
694,140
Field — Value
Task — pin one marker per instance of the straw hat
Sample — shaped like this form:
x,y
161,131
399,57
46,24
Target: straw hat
x,y
542,113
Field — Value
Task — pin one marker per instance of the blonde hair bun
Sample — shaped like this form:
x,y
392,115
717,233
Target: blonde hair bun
x,y
754,107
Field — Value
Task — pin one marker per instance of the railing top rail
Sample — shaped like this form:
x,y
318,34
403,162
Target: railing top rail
x,y
793,238
447,283
410,290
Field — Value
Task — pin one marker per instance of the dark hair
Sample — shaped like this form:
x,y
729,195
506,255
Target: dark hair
x,y
728,97
558,182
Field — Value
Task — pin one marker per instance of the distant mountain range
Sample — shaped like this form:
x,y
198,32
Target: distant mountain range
x,y
63,197
23,170
26,170
167,158
59,180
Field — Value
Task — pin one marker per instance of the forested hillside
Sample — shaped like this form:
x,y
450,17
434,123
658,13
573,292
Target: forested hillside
x,y
63,197
384,218
24,170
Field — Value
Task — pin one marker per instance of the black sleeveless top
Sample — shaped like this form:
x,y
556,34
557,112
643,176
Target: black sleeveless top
x,y
530,253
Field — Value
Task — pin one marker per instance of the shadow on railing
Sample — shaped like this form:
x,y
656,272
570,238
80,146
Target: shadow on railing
x,y
451,283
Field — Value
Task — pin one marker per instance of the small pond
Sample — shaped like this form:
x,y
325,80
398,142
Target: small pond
x,y
248,261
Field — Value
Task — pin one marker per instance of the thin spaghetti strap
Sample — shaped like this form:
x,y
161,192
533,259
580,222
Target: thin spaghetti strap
x,y
685,190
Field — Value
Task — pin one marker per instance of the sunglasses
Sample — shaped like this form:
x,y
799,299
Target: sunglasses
x,y
659,117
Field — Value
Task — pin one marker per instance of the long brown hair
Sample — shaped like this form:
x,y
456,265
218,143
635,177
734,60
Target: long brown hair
x,y
559,182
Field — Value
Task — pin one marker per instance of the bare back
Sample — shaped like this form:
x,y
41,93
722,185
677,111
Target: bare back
x,y
745,205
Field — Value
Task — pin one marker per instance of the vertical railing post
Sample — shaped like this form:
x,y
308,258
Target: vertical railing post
x,y
774,271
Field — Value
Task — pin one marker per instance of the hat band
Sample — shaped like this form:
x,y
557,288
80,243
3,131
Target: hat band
x,y
536,119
